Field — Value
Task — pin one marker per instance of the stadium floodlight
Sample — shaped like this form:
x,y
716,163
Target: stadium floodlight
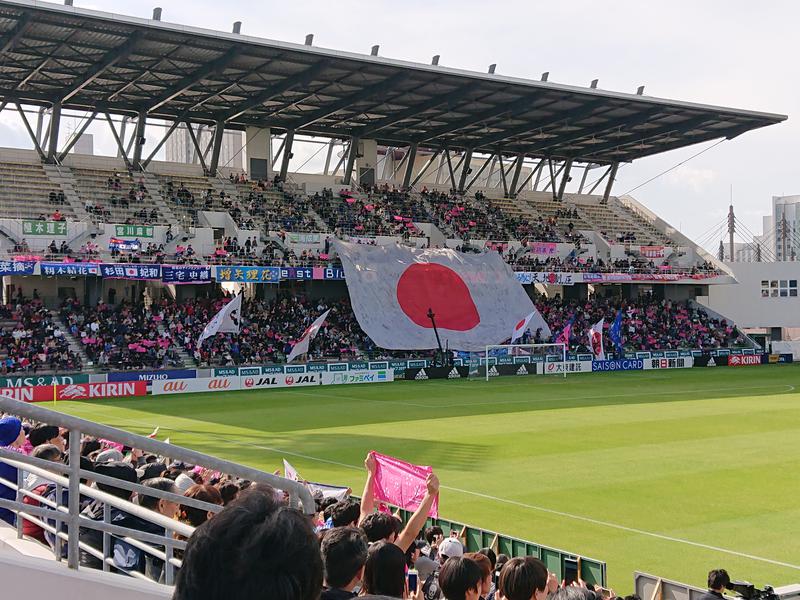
x,y
492,68
309,39
157,13
435,60
594,83
67,2
526,354
237,27
375,49
545,75
640,91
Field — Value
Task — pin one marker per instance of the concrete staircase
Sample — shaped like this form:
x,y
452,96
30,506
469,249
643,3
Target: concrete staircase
x,y
317,219
154,191
63,178
74,344
185,358
220,184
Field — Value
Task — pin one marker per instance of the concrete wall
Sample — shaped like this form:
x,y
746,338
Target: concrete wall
x,y
744,302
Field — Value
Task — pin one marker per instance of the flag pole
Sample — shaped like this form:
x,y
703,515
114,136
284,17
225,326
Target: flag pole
x,y
55,393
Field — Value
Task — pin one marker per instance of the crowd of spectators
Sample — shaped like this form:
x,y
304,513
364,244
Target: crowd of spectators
x,y
32,341
647,324
268,330
468,219
256,544
123,336
374,210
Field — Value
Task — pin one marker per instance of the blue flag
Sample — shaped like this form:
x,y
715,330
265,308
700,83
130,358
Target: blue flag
x,y
615,333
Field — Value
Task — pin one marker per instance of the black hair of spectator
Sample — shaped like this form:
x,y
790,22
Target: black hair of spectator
x,y
490,554
323,504
228,490
385,570
718,579
344,553
47,452
345,512
255,548
161,484
86,465
380,526
431,533
522,577
42,434
458,576
90,445
118,470
573,592
153,470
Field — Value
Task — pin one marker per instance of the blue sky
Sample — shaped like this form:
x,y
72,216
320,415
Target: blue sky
x,y
733,53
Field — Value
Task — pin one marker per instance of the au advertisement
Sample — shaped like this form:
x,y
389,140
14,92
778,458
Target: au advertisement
x,y
200,384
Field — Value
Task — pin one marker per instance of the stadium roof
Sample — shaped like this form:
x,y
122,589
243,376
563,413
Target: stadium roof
x,y
98,61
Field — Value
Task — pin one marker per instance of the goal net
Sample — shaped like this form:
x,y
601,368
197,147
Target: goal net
x,y
513,359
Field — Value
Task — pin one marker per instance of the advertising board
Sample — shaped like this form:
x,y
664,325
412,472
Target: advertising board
x,y
685,362
744,360
278,380
152,375
623,364
200,384
371,376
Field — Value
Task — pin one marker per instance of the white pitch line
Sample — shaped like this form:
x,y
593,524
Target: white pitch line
x,y
542,509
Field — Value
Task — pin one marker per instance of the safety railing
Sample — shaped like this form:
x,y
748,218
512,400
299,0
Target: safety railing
x,y
59,511
591,570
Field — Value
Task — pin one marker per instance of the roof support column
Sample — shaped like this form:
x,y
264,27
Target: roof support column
x,y
465,170
583,179
328,156
196,145
138,144
288,142
552,178
535,171
75,137
612,174
216,148
515,177
425,167
164,139
120,147
450,169
31,133
411,158
503,175
564,179
480,172
351,160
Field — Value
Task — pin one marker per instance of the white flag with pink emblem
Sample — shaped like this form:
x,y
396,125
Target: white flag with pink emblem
x,y
475,299
596,340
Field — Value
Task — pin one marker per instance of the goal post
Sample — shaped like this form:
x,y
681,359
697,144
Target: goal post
x,y
532,351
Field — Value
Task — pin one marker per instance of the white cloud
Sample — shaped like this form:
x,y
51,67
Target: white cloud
x,y
698,180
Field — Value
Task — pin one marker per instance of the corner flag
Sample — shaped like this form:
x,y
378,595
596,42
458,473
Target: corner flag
x,y
227,320
301,347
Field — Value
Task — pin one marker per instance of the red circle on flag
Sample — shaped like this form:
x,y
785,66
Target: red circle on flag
x,y
424,286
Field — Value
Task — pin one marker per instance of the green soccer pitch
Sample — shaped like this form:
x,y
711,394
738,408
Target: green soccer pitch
x,y
668,472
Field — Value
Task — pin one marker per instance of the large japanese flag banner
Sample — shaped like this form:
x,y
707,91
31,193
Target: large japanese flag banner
x,y
475,298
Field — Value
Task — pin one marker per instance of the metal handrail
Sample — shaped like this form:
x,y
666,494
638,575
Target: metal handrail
x,y
297,491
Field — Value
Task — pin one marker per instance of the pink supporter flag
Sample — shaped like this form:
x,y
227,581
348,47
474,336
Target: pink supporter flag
x,y
401,484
